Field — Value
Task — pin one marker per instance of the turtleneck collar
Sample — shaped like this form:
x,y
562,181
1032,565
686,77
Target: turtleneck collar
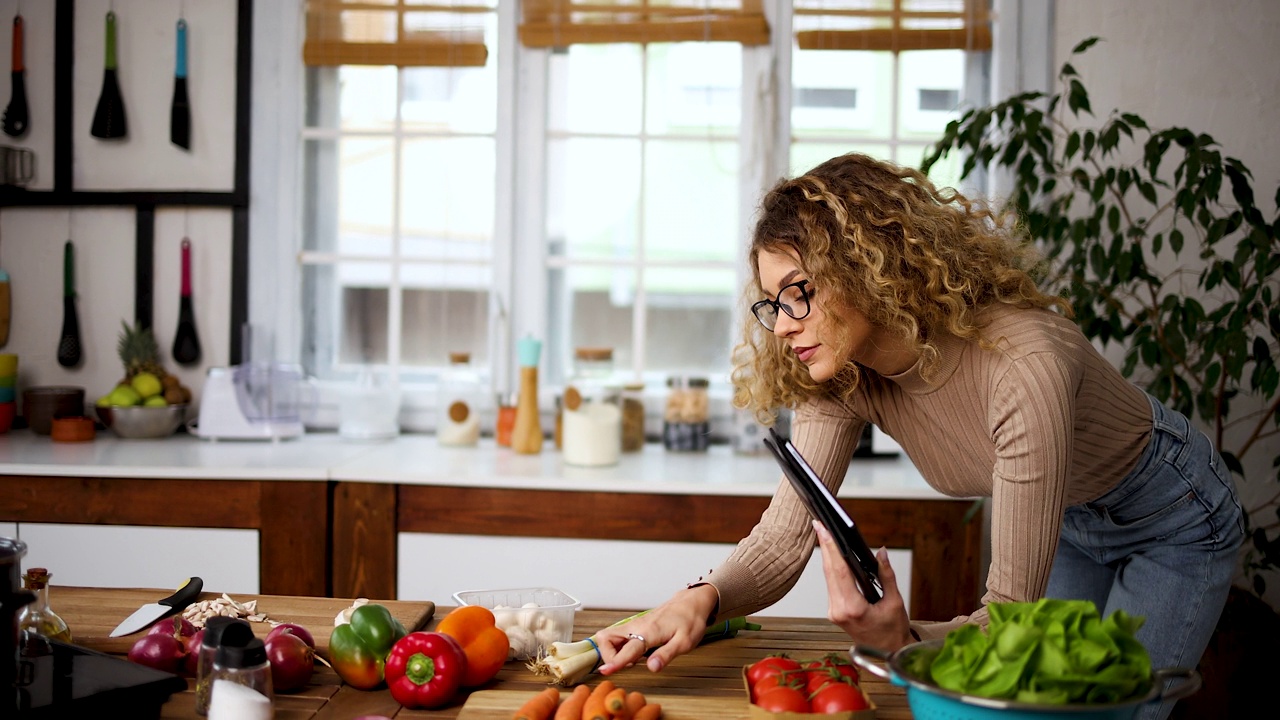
x,y
913,381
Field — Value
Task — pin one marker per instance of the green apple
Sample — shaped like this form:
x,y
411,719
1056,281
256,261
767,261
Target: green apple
x,y
124,395
147,384
155,401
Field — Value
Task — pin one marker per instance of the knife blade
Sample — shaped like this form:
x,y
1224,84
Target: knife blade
x,y
151,612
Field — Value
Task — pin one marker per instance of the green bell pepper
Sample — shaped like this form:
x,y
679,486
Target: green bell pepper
x,y
358,649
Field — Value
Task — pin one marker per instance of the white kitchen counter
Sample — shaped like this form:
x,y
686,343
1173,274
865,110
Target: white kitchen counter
x,y
417,459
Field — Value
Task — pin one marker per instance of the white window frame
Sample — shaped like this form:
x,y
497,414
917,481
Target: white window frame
x,y
764,141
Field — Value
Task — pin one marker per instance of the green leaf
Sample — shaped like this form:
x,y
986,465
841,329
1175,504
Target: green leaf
x,y
1148,191
1175,240
1134,120
1113,218
1089,140
1084,45
1073,144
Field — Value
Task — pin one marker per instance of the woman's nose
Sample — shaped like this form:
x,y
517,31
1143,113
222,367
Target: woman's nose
x,y
785,325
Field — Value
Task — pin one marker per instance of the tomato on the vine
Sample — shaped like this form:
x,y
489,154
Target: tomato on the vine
x,y
837,697
838,665
771,665
783,699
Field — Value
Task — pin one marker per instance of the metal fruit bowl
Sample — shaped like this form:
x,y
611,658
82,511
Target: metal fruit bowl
x,y
140,421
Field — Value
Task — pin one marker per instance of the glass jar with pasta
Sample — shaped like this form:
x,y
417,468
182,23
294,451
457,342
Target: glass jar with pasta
x,y
686,423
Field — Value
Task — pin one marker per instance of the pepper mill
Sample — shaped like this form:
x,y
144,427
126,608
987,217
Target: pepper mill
x,y
526,437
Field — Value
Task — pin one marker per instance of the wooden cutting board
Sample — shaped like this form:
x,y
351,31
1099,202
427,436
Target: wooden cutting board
x,y
501,704
93,613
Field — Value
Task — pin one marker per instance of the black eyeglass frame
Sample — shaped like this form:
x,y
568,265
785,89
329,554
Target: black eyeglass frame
x,y
804,296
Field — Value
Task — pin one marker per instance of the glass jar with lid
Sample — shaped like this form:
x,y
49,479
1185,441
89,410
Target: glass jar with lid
x,y
459,399
686,419
632,417
591,421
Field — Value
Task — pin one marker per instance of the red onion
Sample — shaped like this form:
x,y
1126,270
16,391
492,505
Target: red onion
x,y
190,663
292,661
176,626
158,651
294,629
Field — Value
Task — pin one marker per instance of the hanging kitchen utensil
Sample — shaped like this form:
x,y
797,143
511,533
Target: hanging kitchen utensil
x,y
180,109
109,118
15,116
69,344
4,308
186,343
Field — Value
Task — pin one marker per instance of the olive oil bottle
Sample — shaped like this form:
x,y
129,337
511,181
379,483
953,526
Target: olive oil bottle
x,y
38,622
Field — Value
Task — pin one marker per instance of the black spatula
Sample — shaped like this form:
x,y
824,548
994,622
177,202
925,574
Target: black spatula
x,y
186,343
180,108
15,115
109,119
69,343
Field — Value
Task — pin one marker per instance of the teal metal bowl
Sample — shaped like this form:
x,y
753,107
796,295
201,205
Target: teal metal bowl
x,y
930,702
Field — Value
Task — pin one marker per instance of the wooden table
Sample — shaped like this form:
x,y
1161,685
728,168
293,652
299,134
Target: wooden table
x,y
704,684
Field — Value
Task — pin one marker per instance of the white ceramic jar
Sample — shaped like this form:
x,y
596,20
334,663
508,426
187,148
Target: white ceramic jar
x,y
460,395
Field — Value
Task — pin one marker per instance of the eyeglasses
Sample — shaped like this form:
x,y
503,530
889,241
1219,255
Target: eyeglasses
x,y
792,300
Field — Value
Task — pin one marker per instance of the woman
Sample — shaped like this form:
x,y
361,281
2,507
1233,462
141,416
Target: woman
x,y
887,300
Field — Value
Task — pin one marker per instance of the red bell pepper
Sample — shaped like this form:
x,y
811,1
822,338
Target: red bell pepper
x,y
425,669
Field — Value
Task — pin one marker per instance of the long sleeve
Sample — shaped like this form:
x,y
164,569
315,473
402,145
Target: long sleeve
x,y
768,562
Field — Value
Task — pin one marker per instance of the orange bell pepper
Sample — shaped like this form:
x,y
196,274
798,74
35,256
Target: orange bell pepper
x,y
484,643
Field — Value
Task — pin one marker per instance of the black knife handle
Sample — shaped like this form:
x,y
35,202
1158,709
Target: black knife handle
x,y
185,595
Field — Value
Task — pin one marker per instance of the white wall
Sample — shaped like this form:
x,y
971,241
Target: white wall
x,y
1209,67
32,239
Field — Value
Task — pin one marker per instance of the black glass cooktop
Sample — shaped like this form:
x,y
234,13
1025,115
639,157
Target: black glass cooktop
x,y
73,681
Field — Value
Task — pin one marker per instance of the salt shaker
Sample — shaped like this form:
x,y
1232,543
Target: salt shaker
x,y
245,666
217,630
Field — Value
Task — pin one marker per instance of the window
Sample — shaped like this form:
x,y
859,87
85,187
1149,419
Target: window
x,y
587,193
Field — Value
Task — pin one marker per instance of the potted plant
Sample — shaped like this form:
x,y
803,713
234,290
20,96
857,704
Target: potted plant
x,y
1154,236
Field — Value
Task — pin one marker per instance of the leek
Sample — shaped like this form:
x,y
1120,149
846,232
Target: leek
x,y
569,663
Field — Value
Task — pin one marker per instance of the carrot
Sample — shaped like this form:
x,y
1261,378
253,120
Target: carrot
x,y
594,708
571,708
540,706
635,701
651,711
615,701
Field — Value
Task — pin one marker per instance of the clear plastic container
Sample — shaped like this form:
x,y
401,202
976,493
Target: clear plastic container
x,y
591,418
533,618
459,401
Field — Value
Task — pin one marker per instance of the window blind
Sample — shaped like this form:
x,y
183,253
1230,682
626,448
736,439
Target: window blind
x,y
892,25
405,33
559,23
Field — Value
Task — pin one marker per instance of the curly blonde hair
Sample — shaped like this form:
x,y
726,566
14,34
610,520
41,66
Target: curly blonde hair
x,y
914,259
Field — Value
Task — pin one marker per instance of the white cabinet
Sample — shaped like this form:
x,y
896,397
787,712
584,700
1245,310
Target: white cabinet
x,y
600,573
123,556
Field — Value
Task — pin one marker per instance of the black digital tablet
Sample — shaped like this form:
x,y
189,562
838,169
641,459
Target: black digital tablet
x,y
823,506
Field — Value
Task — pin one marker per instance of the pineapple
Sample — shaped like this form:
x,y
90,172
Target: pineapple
x,y
139,352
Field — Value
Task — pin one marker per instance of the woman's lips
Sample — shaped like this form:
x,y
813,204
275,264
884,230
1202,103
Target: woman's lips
x,y
804,353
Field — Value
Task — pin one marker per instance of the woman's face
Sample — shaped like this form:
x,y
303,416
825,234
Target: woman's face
x,y
811,339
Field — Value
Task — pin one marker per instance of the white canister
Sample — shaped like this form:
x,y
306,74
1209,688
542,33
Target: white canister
x,y
458,401
591,422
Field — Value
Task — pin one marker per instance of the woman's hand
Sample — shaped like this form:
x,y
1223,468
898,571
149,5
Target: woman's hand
x,y
674,627
884,625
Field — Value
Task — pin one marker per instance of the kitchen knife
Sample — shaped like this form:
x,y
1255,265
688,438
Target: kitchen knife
x,y
151,612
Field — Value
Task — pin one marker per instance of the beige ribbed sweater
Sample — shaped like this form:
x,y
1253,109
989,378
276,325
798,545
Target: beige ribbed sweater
x,y
1038,423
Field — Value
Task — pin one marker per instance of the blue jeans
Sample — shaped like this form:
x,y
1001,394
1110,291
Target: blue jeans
x,y
1163,544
